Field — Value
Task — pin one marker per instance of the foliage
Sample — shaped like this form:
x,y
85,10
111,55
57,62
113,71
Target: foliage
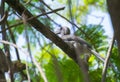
x,y
94,31
58,67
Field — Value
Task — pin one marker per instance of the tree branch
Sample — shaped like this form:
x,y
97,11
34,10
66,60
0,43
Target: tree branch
x,y
19,8
32,18
106,63
114,10
4,18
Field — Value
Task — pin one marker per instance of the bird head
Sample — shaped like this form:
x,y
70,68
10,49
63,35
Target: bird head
x,y
63,31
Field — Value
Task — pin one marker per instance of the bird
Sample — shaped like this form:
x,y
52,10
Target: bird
x,y
81,49
65,35
72,39
84,47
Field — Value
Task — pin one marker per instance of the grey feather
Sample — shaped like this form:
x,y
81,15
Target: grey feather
x,y
77,39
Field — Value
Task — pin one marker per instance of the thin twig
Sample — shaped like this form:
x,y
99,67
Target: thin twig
x,y
24,18
106,63
4,18
34,61
28,74
70,13
27,2
13,40
53,11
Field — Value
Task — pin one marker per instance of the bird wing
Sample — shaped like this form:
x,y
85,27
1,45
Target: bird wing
x,y
77,39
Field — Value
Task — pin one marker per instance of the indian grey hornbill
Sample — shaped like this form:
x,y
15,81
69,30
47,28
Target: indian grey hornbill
x,y
85,49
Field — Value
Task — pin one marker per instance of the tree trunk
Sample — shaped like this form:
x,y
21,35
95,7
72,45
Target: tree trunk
x,y
114,10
